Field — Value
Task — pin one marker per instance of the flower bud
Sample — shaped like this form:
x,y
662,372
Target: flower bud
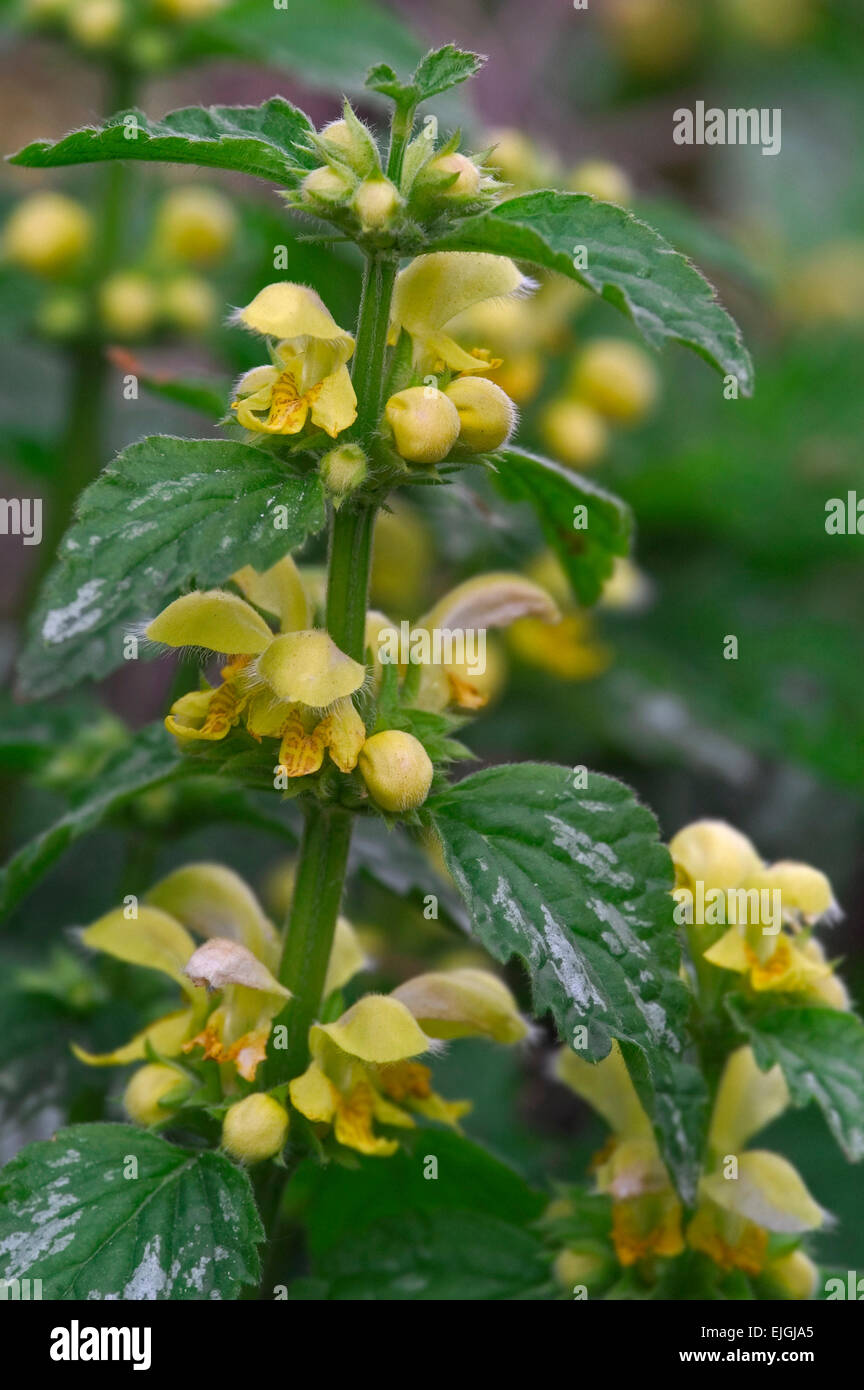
x,y
141,1099
325,187
129,304
487,416
188,302
46,233
343,470
602,180
96,23
467,181
255,1128
617,378
195,224
574,433
794,1274
425,423
397,770
376,202
350,139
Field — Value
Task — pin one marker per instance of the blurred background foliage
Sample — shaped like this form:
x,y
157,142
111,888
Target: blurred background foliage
x,y
729,495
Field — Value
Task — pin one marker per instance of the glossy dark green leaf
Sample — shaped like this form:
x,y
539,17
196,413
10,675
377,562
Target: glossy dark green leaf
x,y
167,515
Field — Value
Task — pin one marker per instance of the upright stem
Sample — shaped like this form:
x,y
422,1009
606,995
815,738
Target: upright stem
x,y
327,829
314,909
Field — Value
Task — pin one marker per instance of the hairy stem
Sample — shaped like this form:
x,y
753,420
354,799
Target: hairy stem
x,y
327,831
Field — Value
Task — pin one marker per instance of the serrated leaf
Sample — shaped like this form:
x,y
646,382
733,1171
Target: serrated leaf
x,y
166,515
184,1227
627,263
255,140
577,884
150,759
821,1052
444,68
587,554
382,78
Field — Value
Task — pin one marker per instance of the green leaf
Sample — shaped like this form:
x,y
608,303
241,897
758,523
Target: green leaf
x,y
256,140
340,1201
387,1231
76,1214
440,70
627,263
444,68
166,515
577,884
821,1052
588,553
150,759
452,1256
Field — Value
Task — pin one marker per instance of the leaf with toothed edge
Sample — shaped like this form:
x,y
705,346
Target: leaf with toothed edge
x,y
78,1216
626,263
166,515
264,141
577,884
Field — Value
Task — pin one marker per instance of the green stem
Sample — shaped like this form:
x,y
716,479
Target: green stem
x,y
400,134
327,830
348,578
311,924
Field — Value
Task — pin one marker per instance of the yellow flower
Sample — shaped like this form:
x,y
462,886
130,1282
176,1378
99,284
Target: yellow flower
x,y
433,289
646,1213
364,1066
616,378
295,685
745,1195
308,377
237,959
771,909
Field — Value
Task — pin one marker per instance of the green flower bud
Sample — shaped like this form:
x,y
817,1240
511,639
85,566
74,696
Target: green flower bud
x,y
397,770
351,141
376,202
343,470
425,423
255,1128
487,416
326,187
148,1085
467,182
